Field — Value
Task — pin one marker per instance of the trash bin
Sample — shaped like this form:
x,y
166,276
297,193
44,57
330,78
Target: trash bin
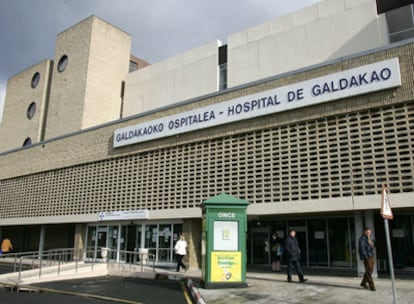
x,y
143,255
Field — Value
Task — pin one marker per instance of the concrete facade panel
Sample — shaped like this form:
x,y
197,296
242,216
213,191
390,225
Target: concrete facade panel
x,y
107,66
98,60
350,29
16,126
305,16
191,74
330,7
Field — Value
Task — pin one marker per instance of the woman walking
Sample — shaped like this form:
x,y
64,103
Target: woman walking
x,y
180,252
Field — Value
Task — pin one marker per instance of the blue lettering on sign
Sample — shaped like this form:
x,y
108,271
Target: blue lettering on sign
x,y
148,130
253,105
351,82
295,95
191,120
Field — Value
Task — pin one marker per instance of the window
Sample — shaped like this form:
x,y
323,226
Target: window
x,y
31,110
35,80
387,5
133,66
27,142
63,63
222,67
400,23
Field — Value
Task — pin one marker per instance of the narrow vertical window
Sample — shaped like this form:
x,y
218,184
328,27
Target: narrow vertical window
x,y
222,67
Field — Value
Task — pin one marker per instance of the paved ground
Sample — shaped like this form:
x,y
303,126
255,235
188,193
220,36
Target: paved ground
x,y
273,288
101,290
264,287
46,298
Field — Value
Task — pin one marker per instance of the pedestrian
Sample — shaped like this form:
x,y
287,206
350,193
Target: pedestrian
x,y
366,251
276,251
292,252
6,246
180,249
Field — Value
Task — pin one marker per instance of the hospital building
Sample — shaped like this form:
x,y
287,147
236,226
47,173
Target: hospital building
x,y
306,116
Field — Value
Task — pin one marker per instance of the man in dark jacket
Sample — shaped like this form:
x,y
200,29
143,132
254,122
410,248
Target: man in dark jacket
x,y
292,252
366,253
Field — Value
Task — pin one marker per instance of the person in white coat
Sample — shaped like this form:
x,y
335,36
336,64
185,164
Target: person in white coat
x,y
180,249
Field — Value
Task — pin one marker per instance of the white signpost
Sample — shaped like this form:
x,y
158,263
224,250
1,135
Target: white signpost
x,y
386,214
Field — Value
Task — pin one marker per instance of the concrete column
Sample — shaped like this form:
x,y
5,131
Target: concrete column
x,y
192,234
369,222
42,240
79,241
359,227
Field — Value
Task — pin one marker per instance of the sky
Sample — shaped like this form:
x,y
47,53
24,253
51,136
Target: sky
x,y
159,28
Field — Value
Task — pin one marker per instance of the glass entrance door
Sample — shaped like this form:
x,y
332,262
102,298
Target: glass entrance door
x,y
99,237
260,247
160,240
341,240
123,240
318,242
164,244
129,243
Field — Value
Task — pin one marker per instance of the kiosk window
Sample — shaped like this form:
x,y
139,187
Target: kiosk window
x,y
226,235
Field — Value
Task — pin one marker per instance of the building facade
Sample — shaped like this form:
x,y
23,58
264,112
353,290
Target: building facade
x,y
310,147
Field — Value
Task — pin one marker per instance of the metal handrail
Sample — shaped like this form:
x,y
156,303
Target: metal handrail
x,y
17,255
111,258
65,255
60,256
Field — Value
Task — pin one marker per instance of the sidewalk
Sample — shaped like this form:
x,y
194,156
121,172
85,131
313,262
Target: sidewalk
x,y
268,287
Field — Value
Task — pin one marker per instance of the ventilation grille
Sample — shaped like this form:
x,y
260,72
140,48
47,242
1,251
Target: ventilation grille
x,y
326,158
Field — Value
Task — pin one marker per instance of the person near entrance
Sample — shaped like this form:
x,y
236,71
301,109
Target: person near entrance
x,y
276,251
292,252
366,247
6,246
180,249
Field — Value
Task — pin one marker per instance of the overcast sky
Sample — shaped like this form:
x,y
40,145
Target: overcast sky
x,y
159,28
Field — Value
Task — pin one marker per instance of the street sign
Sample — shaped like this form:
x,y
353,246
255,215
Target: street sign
x,y
386,211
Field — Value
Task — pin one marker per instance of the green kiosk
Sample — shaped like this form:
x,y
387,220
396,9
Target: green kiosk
x,y
223,247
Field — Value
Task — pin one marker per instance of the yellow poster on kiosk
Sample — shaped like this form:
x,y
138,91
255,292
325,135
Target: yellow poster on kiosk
x,y
226,266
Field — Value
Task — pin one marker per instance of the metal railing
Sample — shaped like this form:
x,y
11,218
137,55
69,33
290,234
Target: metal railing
x,y
123,257
16,258
91,256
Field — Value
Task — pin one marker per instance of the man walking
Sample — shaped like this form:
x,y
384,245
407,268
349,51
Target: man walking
x,y
293,255
366,253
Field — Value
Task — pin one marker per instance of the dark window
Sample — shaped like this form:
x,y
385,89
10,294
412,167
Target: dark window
x,y
133,66
63,63
27,142
387,5
35,80
222,54
400,23
31,110
222,62
223,76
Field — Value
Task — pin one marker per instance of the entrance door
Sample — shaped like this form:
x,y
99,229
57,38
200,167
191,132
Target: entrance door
x,y
129,243
340,242
260,246
164,244
318,242
101,240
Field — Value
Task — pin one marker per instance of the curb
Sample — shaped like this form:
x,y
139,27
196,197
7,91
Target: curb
x,y
198,299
